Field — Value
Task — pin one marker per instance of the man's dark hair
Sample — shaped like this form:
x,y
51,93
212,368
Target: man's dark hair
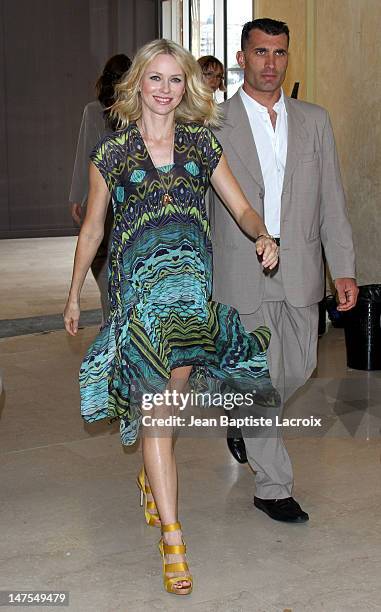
x,y
266,25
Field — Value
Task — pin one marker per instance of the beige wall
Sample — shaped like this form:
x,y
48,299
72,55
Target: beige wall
x,y
348,83
340,63
294,13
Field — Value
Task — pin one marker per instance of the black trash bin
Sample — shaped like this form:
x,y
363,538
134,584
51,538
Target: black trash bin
x,y
362,326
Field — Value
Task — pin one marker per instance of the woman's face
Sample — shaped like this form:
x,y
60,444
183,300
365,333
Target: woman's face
x,y
162,85
212,76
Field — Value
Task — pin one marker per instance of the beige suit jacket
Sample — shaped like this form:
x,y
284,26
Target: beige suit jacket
x,y
92,129
313,211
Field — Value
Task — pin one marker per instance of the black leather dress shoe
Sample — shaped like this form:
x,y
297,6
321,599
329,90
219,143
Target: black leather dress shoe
x,y
287,509
236,444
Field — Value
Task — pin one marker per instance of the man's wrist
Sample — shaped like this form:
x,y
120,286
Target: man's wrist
x,y
265,236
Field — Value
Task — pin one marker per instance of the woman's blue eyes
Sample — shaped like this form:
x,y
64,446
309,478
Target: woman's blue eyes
x,y
155,77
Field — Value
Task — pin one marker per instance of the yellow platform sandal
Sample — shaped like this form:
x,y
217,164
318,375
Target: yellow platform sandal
x,y
170,582
152,518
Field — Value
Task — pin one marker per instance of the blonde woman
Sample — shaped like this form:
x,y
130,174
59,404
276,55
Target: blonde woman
x,y
163,322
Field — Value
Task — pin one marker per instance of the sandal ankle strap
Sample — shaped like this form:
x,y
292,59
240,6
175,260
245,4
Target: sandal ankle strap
x,y
174,549
171,527
181,566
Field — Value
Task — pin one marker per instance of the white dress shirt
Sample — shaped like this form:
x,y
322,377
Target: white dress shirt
x,y
272,152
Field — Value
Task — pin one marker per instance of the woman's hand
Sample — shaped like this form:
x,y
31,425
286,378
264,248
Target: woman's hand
x,y
71,316
269,251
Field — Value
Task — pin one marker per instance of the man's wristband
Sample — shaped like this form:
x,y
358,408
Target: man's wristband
x,y
265,236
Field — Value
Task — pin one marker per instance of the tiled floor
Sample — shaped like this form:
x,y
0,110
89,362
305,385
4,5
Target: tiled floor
x,y
35,277
70,518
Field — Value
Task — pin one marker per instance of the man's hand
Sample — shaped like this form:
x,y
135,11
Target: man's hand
x,y
347,292
76,213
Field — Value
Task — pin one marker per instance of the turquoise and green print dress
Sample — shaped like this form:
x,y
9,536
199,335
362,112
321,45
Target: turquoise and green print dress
x,y
160,281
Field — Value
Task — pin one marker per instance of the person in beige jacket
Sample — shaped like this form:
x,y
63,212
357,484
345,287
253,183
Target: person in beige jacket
x,y
282,152
95,125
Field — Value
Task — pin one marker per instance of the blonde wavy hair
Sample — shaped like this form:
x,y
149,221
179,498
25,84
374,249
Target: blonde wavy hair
x,y
197,104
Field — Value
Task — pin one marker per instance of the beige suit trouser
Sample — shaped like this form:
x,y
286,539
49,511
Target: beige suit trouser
x,y
292,359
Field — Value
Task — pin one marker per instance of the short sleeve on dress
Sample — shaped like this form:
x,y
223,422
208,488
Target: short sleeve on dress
x,y
211,149
109,156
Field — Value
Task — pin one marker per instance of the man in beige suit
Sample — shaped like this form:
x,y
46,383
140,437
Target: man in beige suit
x,y
283,154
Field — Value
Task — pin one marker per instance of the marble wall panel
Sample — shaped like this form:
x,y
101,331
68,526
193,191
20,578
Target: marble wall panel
x,y
348,84
294,13
340,60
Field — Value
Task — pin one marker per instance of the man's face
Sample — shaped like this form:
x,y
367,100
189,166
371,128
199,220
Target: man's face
x,y
264,61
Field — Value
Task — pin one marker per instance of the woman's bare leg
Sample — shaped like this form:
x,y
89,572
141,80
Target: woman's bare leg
x,y
160,465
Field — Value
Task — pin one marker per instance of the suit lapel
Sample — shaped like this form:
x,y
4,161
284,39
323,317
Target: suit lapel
x,y
241,138
296,139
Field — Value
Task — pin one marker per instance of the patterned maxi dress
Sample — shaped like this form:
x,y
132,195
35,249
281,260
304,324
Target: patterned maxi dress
x,y
160,281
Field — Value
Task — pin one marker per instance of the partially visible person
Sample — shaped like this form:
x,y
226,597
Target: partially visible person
x,y
96,123
212,72
213,77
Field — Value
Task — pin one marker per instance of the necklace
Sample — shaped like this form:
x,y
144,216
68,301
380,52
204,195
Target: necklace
x,y
167,198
